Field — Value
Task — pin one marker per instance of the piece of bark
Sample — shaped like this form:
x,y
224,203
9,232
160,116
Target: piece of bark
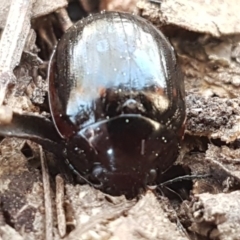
x,y
12,42
216,118
61,218
116,5
214,17
226,159
21,191
40,8
47,198
101,217
217,216
63,19
15,33
9,233
5,115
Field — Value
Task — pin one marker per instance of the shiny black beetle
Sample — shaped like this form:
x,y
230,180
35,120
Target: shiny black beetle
x,y
116,96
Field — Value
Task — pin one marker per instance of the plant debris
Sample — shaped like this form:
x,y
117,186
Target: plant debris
x,y
38,203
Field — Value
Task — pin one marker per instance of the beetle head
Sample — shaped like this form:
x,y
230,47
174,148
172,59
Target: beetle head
x,y
125,153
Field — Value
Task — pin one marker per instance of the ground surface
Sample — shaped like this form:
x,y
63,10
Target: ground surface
x,y
35,205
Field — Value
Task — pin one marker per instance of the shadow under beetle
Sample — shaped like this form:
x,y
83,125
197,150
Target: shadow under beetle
x,y
117,102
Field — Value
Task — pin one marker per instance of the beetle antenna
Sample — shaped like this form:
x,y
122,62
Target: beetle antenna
x,y
182,178
170,190
98,186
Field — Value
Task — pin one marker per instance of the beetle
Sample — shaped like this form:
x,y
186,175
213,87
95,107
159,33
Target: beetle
x,y
117,101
